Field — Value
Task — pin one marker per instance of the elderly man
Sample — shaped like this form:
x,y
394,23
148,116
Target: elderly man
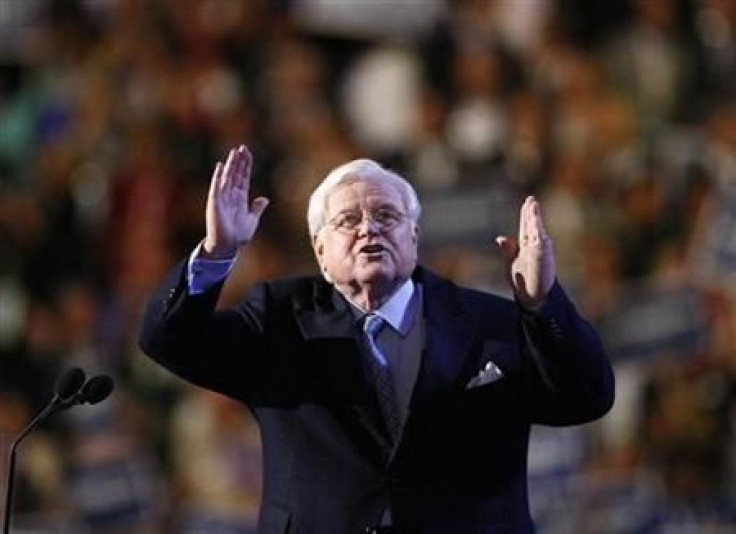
x,y
389,399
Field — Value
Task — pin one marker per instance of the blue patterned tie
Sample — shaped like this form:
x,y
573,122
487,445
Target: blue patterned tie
x,y
382,375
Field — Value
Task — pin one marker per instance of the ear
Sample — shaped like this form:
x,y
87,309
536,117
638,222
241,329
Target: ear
x,y
415,234
318,248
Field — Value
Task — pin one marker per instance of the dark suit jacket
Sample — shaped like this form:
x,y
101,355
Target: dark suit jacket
x,y
289,352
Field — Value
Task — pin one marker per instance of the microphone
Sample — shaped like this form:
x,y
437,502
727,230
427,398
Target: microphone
x,y
70,389
95,390
69,383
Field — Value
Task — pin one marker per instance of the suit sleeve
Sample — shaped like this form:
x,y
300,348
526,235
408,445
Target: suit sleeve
x,y
217,350
570,378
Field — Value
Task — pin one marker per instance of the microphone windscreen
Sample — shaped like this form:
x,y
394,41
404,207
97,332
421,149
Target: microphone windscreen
x,y
97,389
69,382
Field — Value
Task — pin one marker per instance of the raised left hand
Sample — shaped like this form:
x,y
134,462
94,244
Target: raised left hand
x,y
530,259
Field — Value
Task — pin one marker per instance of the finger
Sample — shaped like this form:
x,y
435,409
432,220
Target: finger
x,y
537,224
532,222
521,221
238,166
543,235
524,221
247,160
215,181
227,173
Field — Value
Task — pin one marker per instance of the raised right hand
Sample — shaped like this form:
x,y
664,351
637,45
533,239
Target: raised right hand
x,y
231,219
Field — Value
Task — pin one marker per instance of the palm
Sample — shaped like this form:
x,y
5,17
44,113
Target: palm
x,y
231,218
530,260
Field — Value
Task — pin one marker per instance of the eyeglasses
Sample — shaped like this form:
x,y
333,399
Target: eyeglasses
x,y
348,222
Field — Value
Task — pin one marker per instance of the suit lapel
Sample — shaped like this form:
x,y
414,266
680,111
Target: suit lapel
x,y
328,325
449,327
449,333
325,314
330,358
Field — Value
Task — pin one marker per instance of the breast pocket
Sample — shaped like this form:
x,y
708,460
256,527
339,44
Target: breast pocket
x,y
496,362
491,392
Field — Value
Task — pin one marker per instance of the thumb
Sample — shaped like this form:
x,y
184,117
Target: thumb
x,y
509,247
259,205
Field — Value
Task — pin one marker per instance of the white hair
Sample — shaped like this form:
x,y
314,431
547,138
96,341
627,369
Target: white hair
x,y
356,171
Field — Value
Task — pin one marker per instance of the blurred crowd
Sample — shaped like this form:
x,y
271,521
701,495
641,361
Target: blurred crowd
x,y
620,116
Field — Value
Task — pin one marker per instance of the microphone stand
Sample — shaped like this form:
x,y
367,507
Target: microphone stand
x,y
70,390
11,463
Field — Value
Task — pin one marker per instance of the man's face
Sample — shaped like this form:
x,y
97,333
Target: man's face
x,y
368,238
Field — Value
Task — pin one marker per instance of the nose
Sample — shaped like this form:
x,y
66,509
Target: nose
x,y
368,226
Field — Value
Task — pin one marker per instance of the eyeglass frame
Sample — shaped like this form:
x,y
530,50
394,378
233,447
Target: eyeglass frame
x,y
371,216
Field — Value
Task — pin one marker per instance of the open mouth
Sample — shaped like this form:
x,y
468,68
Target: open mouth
x,y
372,249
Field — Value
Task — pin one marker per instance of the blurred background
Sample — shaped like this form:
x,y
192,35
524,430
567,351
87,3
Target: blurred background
x,y
619,115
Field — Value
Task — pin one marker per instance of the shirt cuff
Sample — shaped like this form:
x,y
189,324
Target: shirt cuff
x,y
202,273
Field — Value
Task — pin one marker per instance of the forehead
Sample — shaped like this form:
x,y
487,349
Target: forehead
x,y
364,192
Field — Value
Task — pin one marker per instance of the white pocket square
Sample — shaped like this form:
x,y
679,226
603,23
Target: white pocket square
x,y
490,373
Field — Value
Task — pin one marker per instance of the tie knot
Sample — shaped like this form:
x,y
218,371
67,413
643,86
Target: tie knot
x,y
373,324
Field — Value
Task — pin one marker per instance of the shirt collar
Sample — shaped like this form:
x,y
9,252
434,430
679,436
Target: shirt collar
x,y
399,310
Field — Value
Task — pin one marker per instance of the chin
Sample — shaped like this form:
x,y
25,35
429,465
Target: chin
x,y
375,274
